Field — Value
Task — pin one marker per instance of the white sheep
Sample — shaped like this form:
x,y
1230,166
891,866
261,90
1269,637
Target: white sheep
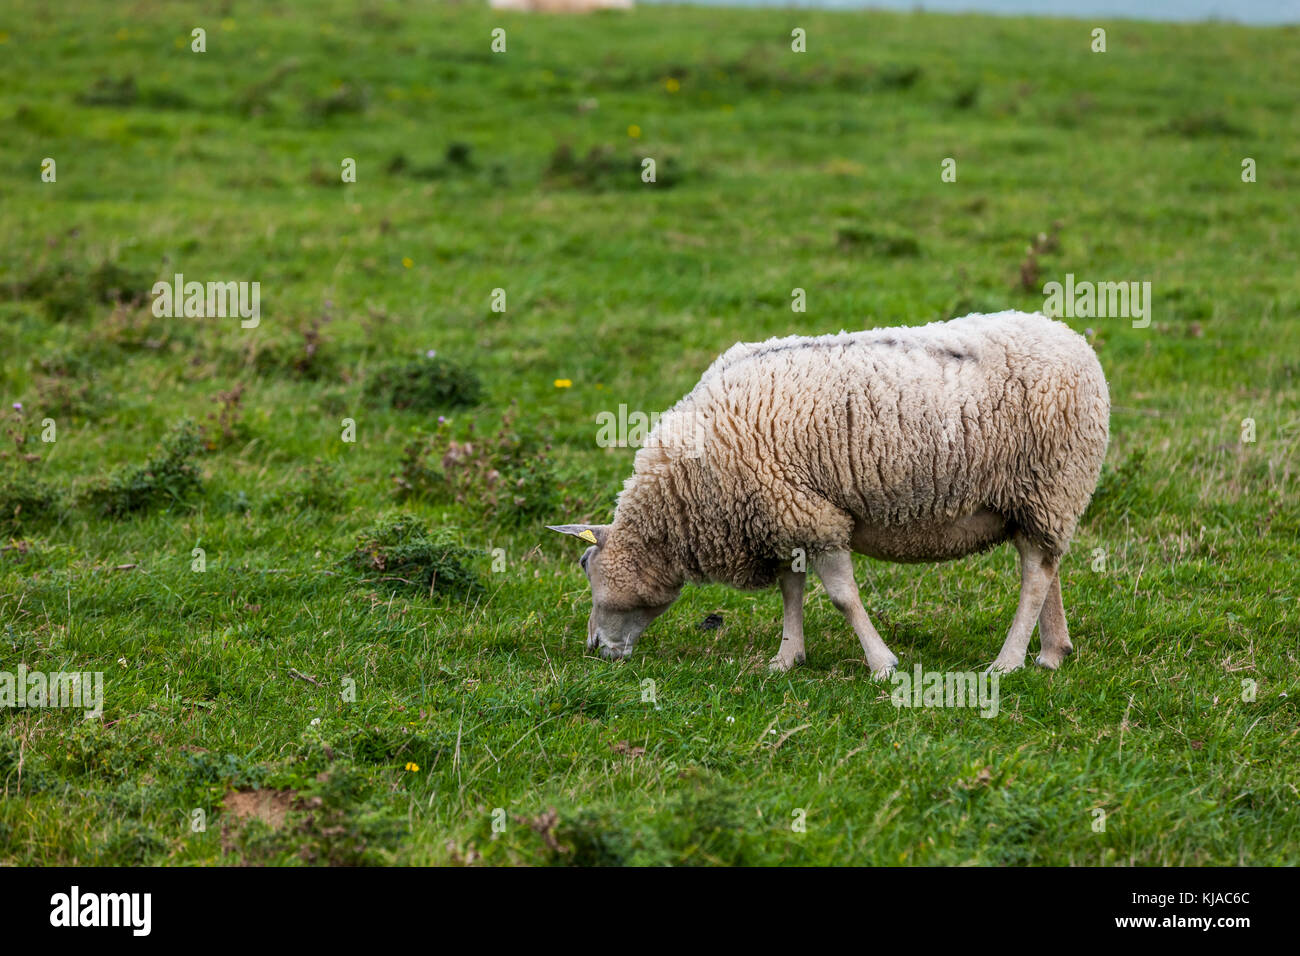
x,y
903,444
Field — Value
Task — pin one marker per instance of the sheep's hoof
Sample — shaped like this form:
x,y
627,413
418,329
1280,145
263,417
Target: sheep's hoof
x,y
1000,666
779,664
885,671
1054,658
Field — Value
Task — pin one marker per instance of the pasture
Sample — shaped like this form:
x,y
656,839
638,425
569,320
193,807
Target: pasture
x,y
318,650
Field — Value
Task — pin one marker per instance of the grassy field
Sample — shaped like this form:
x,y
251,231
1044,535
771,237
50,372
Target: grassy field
x,y
382,661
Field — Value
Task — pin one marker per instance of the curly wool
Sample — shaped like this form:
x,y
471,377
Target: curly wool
x,y
881,439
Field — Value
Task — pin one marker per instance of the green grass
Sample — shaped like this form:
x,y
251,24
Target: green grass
x,y
778,171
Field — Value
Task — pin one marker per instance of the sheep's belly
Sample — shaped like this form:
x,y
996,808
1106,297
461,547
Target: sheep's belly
x,y
931,540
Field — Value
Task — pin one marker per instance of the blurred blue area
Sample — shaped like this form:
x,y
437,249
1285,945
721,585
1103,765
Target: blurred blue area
x,y
1258,12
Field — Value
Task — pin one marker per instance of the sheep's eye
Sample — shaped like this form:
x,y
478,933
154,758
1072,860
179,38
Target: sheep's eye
x,y
583,560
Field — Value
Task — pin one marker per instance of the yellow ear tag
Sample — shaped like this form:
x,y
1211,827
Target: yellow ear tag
x,y
586,534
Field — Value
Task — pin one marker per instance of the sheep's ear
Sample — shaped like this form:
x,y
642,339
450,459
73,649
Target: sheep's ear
x,y
590,533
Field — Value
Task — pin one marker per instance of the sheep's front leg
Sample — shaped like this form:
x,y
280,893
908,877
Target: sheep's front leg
x,y
1037,569
835,568
791,651
1052,631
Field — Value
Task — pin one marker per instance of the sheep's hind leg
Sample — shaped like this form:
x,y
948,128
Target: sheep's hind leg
x,y
1052,632
835,568
1037,569
791,651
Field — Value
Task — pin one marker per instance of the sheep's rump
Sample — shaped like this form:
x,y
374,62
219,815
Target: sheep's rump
x,y
999,422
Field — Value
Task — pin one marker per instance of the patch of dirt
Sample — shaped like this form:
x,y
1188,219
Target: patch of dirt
x,y
269,806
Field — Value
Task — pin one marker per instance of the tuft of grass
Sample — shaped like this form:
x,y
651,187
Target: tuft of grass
x,y
401,553
26,501
458,162
506,475
603,168
346,99
110,91
1203,125
873,242
170,476
428,384
900,77
306,355
69,290
316,487
967,96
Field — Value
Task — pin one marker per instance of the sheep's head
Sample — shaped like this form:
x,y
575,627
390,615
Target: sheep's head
x,y
625,595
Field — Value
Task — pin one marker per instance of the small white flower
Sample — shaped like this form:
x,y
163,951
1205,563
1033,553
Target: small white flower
x,y
731,720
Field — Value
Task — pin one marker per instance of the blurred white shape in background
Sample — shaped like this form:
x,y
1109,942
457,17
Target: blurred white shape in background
x,y
560,6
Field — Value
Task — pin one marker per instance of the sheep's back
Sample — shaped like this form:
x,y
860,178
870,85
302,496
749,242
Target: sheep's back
x,y
899,425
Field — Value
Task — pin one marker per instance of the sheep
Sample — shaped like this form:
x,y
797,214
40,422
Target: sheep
x,y
913,444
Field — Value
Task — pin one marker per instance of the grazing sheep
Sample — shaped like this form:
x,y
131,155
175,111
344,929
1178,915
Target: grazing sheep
x,y
904,444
